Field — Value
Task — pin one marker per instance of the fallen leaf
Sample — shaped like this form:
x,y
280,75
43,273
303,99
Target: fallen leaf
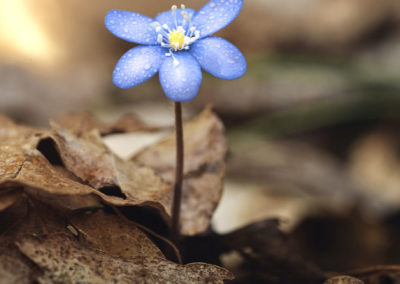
x,y
14,268
93,163
204,168
91,169
64,260
119,240
90,248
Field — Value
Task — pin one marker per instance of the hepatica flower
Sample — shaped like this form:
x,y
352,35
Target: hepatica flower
x,y
177,44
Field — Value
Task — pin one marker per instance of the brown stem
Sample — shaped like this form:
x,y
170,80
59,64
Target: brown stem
x,y
176,206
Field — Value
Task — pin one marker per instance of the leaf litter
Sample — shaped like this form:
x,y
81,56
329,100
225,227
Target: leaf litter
x,y
47,175
57,187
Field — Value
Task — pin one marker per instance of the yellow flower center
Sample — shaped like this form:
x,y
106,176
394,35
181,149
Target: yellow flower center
x,y
176,39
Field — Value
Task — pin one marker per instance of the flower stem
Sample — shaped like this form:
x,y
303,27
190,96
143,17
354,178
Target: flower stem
x,y
176,205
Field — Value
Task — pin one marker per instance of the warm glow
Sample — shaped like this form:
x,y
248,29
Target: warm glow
x,y
21,34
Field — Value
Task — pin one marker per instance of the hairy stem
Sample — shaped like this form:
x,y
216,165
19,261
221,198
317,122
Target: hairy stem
x,y
176,206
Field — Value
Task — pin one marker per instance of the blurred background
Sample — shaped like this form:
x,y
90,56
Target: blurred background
x,y
312,126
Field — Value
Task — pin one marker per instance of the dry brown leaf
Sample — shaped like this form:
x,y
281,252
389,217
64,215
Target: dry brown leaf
x,y
86,247
205,150
119,239
83,122
22,165
13,269
15,222
41,179
106,248
90,160
64,260
90,165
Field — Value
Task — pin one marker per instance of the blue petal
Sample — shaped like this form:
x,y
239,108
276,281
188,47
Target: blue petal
x,y
219,57
169,19
180,82
215,15
138,65
131,27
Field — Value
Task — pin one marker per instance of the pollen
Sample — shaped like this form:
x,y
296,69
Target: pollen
x,y
176,39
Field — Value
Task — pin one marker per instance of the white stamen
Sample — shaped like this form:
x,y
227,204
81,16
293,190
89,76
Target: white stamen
x,y
190,34
165,26
173,8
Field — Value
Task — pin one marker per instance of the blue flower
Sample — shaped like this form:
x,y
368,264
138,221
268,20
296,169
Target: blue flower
x,y
177,43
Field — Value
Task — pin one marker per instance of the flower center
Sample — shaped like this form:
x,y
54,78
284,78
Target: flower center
x,y
181,36
176,39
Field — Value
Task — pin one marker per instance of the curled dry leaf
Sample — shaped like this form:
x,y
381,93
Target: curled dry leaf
x,y
95,248
205,149
89,169
22,165
204,168
92,162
